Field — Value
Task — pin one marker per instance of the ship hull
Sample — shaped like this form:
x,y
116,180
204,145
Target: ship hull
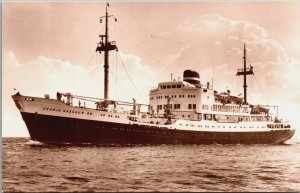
x,y
58,130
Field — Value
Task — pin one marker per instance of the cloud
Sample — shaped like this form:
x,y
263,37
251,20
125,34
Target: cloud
x,y
215,40
172,58
215,29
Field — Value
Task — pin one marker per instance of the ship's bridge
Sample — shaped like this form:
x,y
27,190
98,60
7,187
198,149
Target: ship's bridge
x,y
172,85
183,97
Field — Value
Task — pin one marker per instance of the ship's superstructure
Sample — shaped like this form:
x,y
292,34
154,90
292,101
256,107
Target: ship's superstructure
x,y
179,112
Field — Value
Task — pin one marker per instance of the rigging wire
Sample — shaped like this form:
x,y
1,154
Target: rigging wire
x,y
192,44
122,88
90,60
260,88
116,77
240,85
90,71
100,73
248,59
87,72
237,85
229,85
131,79
87,65
114,71
165,67
251,88
152,35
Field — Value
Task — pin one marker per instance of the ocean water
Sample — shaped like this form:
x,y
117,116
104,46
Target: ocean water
x,y
29,166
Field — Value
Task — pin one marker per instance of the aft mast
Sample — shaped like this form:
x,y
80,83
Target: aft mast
x,y
106,46
245,71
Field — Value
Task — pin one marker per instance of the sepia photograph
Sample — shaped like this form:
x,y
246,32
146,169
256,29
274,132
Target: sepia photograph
x,y
150,96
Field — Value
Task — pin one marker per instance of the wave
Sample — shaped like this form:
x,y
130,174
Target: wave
x,y
76,178
31,142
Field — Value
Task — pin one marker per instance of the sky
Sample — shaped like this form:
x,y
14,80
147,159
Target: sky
x,y
50,46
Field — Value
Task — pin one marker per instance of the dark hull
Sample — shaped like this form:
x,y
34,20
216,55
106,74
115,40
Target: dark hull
x,y
52,129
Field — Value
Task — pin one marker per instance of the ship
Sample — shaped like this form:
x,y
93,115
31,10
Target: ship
x,y
179,112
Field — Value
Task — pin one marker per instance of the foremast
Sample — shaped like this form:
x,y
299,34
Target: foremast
x,y
245,71
106,46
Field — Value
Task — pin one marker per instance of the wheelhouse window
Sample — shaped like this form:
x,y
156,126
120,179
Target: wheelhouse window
x,y
176,106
